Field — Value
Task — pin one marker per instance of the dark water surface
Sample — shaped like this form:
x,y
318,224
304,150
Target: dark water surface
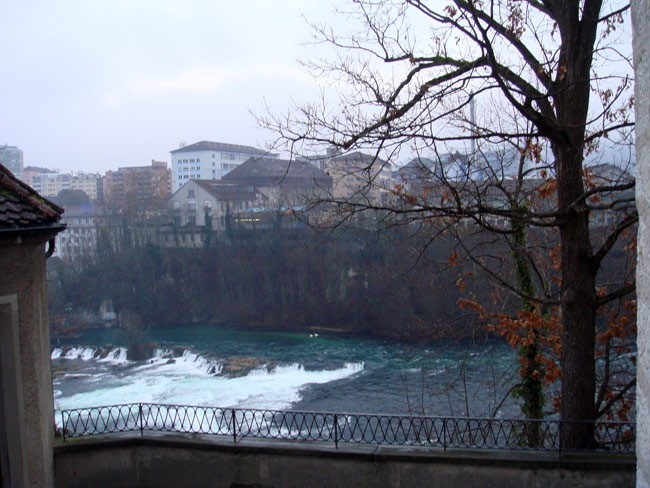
x,y
209,365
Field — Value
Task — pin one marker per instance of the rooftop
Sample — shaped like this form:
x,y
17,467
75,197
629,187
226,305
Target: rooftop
x,y
275,170
221,146
21,207
226,191
358,156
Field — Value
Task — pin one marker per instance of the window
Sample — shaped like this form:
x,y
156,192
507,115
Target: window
x,y
190,194
198,160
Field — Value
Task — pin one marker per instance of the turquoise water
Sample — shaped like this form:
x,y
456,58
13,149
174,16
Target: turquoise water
x,y
191,365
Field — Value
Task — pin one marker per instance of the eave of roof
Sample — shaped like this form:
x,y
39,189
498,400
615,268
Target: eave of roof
x,y
357,156
22,209
221,146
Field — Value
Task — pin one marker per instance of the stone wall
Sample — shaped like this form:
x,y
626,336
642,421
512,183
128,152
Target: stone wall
x,y
641,26
171,461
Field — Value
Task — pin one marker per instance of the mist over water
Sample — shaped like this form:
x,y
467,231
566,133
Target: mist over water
x,y
213,366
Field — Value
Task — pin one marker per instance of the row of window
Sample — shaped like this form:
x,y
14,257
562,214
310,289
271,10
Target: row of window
x,y
224,155
233,156
224,167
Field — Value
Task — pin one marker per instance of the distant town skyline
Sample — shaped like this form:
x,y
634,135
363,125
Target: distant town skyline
x,y
90,87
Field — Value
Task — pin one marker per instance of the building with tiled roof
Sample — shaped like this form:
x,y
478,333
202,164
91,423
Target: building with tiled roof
x,y
198,200
280,172
23,210
358,176
285,184
28,226
207,160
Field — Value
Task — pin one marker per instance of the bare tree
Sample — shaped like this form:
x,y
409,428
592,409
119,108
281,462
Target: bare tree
x,y
405,83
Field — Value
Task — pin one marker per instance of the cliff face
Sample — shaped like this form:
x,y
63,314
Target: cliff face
x,y
357,284
361,284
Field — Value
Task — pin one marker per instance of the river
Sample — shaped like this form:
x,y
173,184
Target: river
x,y
215,366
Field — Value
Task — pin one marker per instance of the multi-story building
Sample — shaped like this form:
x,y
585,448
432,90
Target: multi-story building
x,y
51,184
254,195
12,158
140,188
285,184
201,208
358,176
30,171
90,183
78,244
198,199
208,160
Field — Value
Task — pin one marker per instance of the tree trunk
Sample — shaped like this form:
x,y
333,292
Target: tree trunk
x,y
578,304
578,292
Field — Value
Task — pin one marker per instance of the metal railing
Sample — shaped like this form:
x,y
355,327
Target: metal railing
x,y
442,432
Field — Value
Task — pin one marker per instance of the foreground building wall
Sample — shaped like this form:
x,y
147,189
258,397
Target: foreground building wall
x,y
22,263
641,25
28,226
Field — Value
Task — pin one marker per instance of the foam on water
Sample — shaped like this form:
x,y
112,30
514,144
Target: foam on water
x,y
188,363
116,356
186,381
82,352
85,353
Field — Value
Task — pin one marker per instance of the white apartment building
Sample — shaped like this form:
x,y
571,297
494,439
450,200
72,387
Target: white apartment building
x,y
12,158
50,184
88,182
208,160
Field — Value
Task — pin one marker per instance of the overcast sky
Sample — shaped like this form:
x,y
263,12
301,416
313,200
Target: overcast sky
x,y
91,85
95,84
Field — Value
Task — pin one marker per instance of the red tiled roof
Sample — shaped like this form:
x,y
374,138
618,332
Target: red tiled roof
x,y
21,207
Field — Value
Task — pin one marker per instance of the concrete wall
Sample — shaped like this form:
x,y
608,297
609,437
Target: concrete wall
x,y
641,26
22,271
171,461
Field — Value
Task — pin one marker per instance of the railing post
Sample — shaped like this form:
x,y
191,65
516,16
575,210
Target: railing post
x,y
444,434
141,420
62,425
559,431
234,426
336,431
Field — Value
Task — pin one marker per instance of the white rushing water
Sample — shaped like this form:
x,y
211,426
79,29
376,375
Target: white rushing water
x,y
187,379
